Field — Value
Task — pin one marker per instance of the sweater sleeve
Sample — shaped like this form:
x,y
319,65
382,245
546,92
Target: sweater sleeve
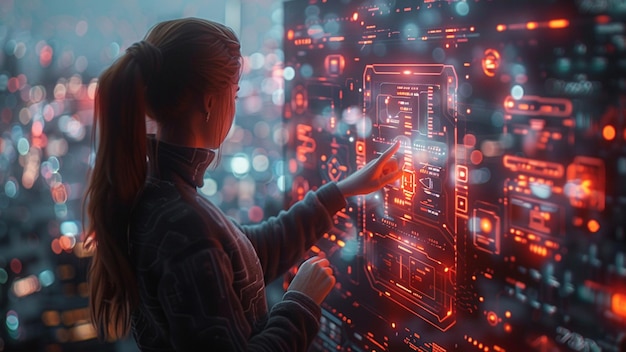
x,y
281,241
204,313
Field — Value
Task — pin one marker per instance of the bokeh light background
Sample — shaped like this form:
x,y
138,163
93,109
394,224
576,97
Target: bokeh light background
x,y
51,53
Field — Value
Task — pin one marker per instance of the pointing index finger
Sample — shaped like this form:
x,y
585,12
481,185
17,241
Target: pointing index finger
x,y
387,154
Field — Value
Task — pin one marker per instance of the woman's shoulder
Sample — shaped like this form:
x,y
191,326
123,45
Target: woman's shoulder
x,y
163,206
175,219
164,226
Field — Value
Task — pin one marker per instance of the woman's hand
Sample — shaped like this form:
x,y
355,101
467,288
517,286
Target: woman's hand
x,y
374,175
314,278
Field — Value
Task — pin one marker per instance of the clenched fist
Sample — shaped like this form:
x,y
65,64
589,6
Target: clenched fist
x,y
314,278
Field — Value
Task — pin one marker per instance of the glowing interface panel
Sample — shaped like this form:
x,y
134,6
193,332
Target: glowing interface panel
x,y
505,231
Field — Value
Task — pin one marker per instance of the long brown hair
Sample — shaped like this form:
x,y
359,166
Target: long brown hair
x,y
163,77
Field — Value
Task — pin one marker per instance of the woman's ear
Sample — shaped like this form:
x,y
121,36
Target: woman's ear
x,y
208,102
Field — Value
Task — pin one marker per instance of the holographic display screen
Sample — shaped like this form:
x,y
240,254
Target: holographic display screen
x,y
505,231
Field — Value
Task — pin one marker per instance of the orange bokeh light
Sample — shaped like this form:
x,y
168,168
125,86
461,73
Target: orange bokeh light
x,y
609,133
56,246
492,318
67,242
476,157
560,23
532,25
593,225
469,140
618,304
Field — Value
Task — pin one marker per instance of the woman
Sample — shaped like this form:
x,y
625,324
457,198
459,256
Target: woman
x,y
168,264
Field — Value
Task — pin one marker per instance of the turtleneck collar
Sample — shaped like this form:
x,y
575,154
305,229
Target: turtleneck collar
x,y
169,160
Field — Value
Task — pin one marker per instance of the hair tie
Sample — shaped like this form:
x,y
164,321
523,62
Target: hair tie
x,y
149,58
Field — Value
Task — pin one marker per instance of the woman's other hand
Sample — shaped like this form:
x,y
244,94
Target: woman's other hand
x,y
314,278
374,175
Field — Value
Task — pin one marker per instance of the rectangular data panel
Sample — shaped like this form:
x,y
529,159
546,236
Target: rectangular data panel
x,y
505,230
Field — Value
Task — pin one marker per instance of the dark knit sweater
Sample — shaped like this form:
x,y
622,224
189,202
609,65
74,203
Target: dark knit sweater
x,y
202,276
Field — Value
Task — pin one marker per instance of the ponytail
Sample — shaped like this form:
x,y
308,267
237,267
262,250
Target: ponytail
x,y
118,175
